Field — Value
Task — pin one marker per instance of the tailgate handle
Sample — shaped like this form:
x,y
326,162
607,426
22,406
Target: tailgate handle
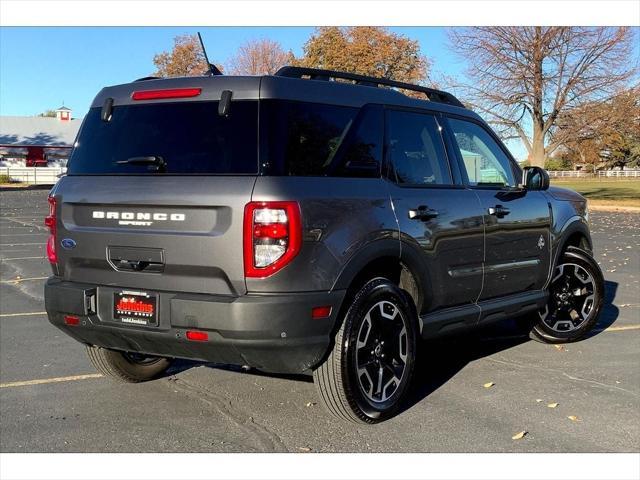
x,y
136,259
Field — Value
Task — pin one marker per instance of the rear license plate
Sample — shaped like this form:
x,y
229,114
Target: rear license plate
x,y
135,308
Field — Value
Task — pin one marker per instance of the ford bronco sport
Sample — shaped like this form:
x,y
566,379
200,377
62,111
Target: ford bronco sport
x,y
310,221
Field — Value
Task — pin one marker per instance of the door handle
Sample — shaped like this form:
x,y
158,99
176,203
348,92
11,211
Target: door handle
x,y
499,211
422,213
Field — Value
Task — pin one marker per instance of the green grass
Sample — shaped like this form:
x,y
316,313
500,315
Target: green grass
x,y
624,192
4,179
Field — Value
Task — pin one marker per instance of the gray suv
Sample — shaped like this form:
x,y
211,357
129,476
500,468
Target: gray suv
x,y
312,222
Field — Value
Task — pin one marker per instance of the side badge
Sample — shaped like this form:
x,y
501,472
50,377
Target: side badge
x,y
68,243
541,242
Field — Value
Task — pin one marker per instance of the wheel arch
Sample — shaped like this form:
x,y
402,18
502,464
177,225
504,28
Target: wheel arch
x,y
403,265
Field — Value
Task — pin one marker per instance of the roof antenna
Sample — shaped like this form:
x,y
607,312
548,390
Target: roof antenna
x,y
213,70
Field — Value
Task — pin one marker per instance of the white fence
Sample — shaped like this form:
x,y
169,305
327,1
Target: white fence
x,y
600,174
32,175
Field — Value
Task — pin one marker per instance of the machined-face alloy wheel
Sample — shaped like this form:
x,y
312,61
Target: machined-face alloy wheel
x,y
576,298
571,298
367,374
381,352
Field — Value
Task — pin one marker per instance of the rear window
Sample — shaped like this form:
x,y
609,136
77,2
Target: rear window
x,y
189,137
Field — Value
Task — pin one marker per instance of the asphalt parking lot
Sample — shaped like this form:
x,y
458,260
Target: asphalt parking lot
x,y
51,399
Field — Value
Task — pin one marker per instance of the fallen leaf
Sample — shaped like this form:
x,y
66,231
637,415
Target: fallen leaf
x,y
538,400
559,347
553,405
304,449
573,418
488,385
519,435
311,404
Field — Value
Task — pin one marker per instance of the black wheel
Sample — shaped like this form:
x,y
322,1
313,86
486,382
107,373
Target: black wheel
x,y
127,367
366,375
576,297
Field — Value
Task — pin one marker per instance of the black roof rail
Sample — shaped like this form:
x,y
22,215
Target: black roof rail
x,y
145,78
320,74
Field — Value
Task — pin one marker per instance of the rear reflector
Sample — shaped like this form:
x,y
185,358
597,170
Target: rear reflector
x,y
321,312
197,336
71,320
169,93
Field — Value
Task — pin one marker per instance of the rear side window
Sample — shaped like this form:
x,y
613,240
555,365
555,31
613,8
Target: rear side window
x,y
416,154
309,139
190,137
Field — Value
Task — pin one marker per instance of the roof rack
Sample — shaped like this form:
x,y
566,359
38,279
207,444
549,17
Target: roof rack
x,y
319,74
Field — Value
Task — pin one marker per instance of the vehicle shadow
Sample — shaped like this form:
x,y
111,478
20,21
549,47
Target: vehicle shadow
x,y
439,360
610,312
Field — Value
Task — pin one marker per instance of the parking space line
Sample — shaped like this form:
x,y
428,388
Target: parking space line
x,y
43,381
621,328
22,258
26,224
24,314
2,234
18,244
13,282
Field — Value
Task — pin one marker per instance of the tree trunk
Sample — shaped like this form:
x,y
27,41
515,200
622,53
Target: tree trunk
x,y
538,155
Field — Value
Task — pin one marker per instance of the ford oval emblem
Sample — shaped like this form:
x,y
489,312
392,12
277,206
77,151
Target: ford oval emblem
x,y
68,243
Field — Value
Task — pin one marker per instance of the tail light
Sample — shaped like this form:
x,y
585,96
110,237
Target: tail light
x,y
50,221
272,237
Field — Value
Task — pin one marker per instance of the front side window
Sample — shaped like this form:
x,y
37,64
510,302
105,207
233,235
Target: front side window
x,y
415,151
484,161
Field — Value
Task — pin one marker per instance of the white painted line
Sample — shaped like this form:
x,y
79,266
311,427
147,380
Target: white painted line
x,y
20,280
43,381
21,258
621,328
26,224
18,244
25,314
20,234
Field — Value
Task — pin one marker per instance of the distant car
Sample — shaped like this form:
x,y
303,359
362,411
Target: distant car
x,y
307,222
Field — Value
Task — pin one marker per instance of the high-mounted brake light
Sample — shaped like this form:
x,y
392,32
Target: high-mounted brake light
x,y
272,237
166,93
50,221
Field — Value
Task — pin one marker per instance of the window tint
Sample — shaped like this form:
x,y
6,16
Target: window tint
x,y
190,137
361,152
484,160
415,150
303,138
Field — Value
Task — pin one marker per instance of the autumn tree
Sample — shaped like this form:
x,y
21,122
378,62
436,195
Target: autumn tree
x,y
371,51
523,79
603,133
259,57
185,59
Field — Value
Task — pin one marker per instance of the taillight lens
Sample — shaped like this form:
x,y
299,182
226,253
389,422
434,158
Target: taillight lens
x,y
272,236
50,221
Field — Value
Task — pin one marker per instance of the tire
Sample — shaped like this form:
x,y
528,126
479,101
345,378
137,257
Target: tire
x,y
380,312
576,298
126,368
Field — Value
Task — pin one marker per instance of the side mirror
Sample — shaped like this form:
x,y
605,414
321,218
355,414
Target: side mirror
x,y
535,178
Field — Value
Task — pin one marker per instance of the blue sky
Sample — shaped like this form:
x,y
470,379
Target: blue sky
x,y
42,67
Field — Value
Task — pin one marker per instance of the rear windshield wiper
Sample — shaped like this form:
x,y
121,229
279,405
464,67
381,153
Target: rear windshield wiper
x,y
151,160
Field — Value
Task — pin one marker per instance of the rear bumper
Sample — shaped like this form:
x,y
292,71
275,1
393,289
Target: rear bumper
x,y
273,333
